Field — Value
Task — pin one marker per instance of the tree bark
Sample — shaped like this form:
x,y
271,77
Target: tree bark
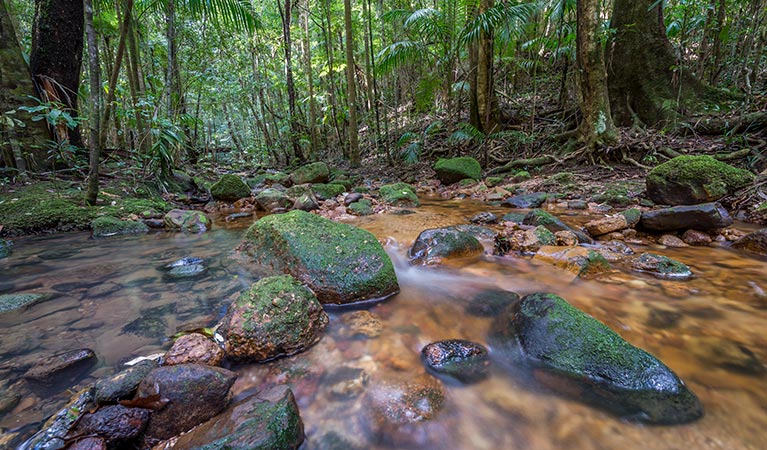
x,y
596,127
310,83
286,15
56,57
645,80
116,70
351,95
484,105
22,147
94,79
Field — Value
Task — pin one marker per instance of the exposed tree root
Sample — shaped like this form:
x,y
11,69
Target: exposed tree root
x,y
529,162
752,122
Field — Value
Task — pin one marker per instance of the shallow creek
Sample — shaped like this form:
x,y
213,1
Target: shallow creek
x,y
111,297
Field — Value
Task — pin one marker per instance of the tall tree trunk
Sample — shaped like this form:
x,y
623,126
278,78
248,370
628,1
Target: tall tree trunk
x,y
310,83
331,71
94,80
351,95
484,106
645,79
56,57
128,12
286,14
15,87
172,76
596,127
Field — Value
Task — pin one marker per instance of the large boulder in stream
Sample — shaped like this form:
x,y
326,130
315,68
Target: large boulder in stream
x,y
398,194
191,394
438,244
755,242
539,217
187,221
267,420
277,316
340,263
689,180
708,216
229,188
573,352
453,170
106,226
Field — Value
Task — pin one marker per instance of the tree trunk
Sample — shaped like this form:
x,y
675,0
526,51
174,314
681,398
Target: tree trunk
x,y
310,84
94,80
484,106
331,71
354,148
286,15
56,57
116,71
645,80
596,127
15,86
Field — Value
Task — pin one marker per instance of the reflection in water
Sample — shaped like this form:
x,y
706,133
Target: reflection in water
x,y
110,295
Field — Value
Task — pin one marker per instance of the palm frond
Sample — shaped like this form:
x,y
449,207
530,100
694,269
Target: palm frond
x,y
428,23
509,15
398,54
236,13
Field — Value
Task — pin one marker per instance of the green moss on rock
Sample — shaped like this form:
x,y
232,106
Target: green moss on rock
x,y
632,216
453,170
229,188
438,244
10,302
399,194
327,191
661,266
689,180
311,173
110,226
547,333
340,263
363,207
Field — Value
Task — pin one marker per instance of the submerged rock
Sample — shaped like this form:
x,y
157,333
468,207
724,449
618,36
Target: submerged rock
x,y
194,348
755,242
360,324
106,226
707,216
539,217
188,267
583,262
490,302
439,244
526,201
229,188
484,217
54,366
399,194
192,394
523,241
689,180
187,221
342,264
453,170
577,352
457,359
661,266
53,434
278,316
268,420
311,173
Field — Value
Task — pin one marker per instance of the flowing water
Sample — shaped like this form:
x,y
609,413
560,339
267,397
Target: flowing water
x,y
110,296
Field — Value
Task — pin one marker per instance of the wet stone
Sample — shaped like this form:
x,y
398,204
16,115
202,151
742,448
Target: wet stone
x,y
438,244
89,443
10,302
490,302
351,198
360,324
457,359
726,354
525,201
484,217
115,424
122,385
147,327
663,319
57,366
515,217
194,348
8,399
671,241
661,266
695,237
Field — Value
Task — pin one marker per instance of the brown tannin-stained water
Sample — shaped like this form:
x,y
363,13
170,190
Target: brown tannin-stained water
x,y
111,297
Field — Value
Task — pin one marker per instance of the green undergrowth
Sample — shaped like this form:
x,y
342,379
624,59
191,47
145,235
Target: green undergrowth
x,y
60,206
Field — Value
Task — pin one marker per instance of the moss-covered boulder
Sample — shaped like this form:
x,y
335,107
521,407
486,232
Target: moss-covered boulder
x,y
661,266
340,263
327,191
311,173
453,170
689,180
581,261
271,199
439,244
399,194
539,217
363,207
277,316
267,420
6,248
187,220
105,226
578,353
229,188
